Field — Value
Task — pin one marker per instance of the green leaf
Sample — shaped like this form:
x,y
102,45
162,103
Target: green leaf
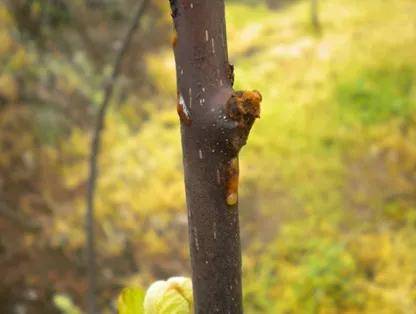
x,y
173,296
130,301
65,304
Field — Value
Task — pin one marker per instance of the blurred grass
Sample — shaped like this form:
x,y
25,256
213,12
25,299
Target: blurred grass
x,y
327,99
328,176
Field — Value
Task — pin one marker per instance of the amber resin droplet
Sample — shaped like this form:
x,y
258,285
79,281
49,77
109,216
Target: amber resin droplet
x,y
232,173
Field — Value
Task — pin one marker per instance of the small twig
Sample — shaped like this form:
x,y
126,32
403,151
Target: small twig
x,y
95,149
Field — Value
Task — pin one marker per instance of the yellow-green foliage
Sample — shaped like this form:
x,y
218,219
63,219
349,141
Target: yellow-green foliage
x,y
130,301
335,151
328,201
328,182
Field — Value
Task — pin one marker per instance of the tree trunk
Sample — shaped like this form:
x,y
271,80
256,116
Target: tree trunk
x,y
215,123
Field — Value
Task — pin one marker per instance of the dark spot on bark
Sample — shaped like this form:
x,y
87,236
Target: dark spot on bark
x,y
174,7
230,73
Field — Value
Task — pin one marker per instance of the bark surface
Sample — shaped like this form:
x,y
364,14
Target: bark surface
x,y
215,123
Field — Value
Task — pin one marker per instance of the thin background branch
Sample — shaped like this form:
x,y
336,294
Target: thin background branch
x,y
94,154
315,16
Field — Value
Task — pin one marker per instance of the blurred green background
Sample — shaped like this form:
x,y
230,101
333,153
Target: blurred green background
x,y
328,191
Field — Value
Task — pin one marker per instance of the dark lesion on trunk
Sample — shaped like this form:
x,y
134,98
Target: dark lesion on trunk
x,y
230,73
173,7
232,126
243,108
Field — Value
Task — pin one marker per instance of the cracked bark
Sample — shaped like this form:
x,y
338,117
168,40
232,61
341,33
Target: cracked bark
x,y
215,124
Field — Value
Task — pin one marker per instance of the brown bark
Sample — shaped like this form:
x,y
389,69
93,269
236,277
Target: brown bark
x,y
215,125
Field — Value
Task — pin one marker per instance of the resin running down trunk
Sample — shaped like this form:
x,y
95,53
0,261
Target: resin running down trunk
x,y
215,124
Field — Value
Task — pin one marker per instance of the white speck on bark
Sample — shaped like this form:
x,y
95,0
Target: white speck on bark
x,y
184,107
190,97
196,239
